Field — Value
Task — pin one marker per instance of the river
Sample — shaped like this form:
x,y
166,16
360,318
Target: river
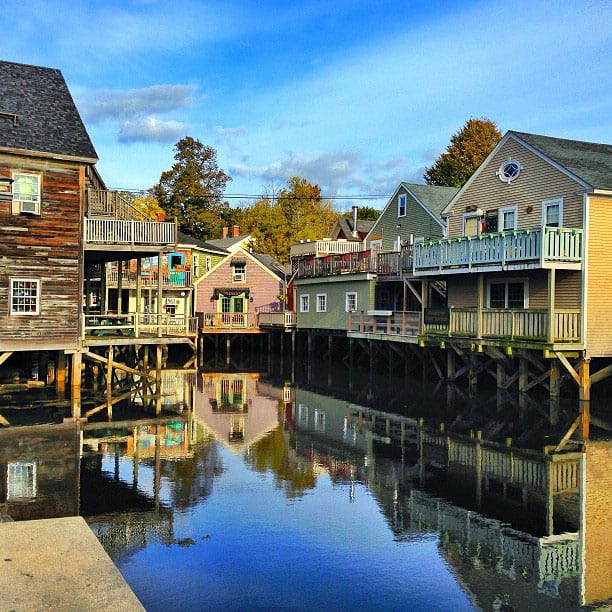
x,y
299,487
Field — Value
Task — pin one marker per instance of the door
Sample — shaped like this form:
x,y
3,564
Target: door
x,y
232,311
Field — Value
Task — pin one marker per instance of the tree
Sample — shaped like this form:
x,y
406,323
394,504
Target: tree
x,y
364,213
468,148
297,212
192,190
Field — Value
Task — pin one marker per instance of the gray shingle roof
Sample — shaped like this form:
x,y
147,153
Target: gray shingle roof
x,y
226,243
47,118
434,197
589,161
272,265
190,240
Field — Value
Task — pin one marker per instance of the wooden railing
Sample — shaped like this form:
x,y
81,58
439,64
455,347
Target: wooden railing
x,y
149,279
229,320
391,323
348,263
139,325
519,246
112,231
318,248
277,319
395,263
106,204
519,324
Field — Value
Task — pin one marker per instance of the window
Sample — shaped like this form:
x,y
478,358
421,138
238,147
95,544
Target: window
x,y
21,481
471,224
507,218
195,262
25,296
303,414
176,260
351,301
509,171
319,420
239,274
226,304
26,193
401,206
552,212
304,303
321,302
208,262
508,294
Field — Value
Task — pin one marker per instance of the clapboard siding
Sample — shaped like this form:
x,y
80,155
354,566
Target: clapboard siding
x,y
599,326
45,247
538,181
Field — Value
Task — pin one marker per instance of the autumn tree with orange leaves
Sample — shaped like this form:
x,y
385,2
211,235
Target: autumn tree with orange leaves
x,y
468,148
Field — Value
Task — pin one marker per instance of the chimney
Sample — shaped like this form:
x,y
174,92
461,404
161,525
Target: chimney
x,y
235,230
224,232
355,232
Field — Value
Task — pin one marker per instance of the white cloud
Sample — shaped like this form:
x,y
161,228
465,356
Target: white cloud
x,y
99,105
150,129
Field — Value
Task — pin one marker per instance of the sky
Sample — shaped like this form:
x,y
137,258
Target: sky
x,y
352,95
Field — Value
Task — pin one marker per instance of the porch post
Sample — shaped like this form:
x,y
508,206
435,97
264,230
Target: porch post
x,y
424,304
550,333
119,287
480,295
160,278
138,295
103,290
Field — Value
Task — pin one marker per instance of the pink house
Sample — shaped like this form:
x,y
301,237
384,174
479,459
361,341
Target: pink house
x,y
232,293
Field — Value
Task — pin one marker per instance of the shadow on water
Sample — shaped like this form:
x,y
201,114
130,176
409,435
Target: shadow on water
x,y
422,472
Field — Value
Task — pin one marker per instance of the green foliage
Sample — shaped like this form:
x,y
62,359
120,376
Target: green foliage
x,y
297,212
468,148
364,213
192,190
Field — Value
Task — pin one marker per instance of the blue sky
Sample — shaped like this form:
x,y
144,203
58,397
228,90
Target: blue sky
x,y
353,95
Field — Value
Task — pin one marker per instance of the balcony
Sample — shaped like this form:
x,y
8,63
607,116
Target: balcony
x,y
541,247
224,321
132,325
285,319
112,221
170,280
510,325
318,248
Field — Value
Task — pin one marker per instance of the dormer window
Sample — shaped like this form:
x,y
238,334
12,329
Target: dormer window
x,y
239,272
26,194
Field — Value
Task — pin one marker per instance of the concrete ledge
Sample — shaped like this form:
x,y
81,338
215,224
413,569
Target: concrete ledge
x,y
58,564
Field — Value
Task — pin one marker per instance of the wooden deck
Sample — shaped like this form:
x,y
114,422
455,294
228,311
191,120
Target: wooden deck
x,y
539,247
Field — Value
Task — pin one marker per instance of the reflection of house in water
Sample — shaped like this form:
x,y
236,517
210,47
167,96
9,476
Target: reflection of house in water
x,y
39,472
234,409
518,527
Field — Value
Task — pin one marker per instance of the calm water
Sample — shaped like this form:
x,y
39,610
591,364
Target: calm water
x,y
329,492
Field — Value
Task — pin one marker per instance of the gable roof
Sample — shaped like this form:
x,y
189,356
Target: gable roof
x,y
272,265
37,113
186,239
589,161
346,227
433,197
231,243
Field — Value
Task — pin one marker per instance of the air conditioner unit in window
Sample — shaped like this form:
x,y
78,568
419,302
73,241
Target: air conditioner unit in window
x,y
28,207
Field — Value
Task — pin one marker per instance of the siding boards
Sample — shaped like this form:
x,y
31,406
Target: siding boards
x,y
416,222
537,181
599,328
44,247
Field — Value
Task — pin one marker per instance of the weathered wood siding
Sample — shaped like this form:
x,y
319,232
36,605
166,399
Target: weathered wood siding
x,y
537,181
264,286
45,247
599,276
335,288
417,222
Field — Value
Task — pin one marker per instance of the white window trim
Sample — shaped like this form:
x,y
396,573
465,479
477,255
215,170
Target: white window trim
x,y
17,206
507,281
346,301
239,277
318,304
16,313
305,302
548,203
399,204
21,480
500,218
208,262
469,216
376,245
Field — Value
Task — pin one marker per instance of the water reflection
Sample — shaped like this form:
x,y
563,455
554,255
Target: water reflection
x,y
518,524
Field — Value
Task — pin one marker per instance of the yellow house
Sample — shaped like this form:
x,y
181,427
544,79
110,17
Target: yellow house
x,y
526,259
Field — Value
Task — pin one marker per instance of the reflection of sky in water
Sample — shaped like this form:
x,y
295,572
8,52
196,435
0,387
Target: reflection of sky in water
x,y
262,549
